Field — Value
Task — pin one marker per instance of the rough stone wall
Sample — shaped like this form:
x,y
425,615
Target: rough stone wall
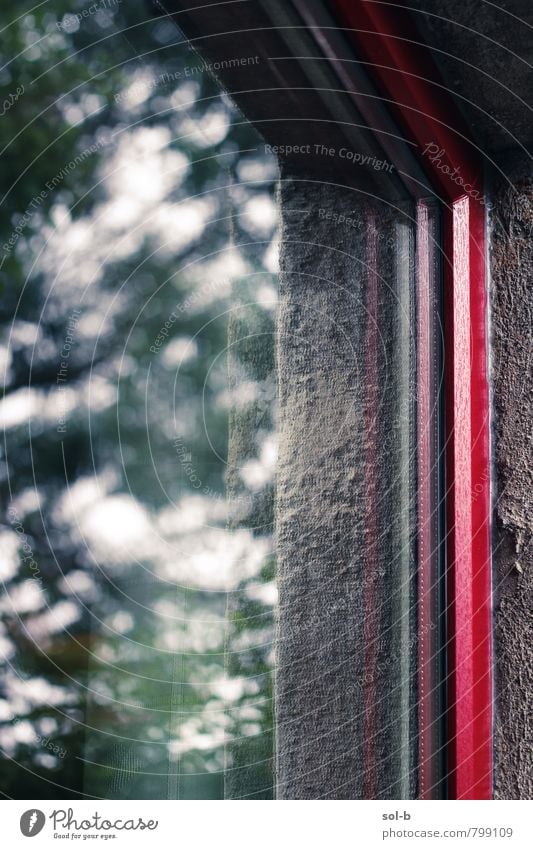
x,y
512,312
343,687
319,508
484,53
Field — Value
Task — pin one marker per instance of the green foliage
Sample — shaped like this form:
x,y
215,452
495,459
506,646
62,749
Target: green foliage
x,y
111,154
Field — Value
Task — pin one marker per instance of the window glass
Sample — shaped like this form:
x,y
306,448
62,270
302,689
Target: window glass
x,y
221,544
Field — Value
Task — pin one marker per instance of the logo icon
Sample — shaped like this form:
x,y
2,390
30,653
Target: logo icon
x,y
32,822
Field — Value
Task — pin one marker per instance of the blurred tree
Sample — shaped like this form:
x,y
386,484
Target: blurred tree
x,y
135,199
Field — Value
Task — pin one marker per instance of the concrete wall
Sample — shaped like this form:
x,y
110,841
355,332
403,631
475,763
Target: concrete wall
x,y
511,254
346,658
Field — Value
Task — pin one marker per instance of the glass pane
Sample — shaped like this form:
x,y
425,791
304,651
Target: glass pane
x,y
431,594
221,552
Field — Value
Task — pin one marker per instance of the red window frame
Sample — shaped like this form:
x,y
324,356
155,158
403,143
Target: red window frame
x,y
403,70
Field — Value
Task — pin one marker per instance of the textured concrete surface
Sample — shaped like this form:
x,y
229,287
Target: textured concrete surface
x,y
320,505
345,689
484,53
512,310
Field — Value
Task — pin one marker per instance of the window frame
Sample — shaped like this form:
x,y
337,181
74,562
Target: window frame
x,y
403,70
383,65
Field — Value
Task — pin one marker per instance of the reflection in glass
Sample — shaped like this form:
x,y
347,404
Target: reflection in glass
x,y
153,235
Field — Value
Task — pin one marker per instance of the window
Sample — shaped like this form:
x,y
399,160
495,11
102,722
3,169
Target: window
x,y
247,540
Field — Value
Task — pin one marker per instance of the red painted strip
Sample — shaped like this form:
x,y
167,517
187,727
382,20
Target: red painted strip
x,y
468,506
480,491
460,502
406,74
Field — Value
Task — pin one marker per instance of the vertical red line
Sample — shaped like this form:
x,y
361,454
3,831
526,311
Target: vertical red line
x,y
480,501
460,512
371,589
468,542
